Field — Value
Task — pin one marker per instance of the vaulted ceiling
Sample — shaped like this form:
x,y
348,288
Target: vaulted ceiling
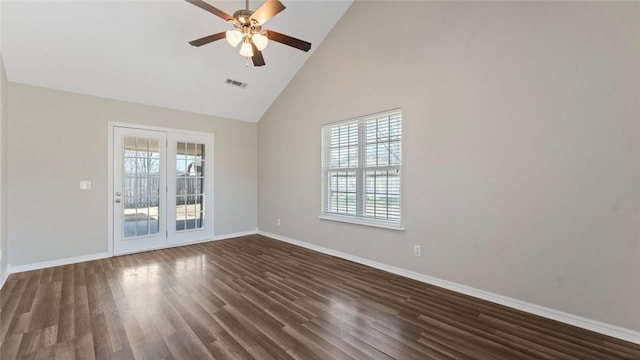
x,y
138,51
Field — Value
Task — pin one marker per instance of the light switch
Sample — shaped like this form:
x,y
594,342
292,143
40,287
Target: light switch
x,y
85,185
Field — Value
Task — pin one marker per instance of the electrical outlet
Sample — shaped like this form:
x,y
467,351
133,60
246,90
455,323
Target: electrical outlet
x,y
278,221
417,250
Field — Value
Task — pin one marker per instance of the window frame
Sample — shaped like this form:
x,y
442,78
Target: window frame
x,y
360,170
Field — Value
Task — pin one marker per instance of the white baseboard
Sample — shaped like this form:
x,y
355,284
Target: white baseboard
x,y
58,262
234,235
215,238
567,318
104,255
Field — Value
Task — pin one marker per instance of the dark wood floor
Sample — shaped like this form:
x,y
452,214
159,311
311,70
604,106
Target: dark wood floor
x,y
258,298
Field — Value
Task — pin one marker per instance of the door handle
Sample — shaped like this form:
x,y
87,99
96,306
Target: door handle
x,y
118,194
117,201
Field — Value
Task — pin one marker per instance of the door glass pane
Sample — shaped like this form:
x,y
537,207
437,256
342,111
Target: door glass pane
x,y
154,149
141,187
142,147
189,186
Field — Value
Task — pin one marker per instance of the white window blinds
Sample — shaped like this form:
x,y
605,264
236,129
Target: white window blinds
x,y
361,163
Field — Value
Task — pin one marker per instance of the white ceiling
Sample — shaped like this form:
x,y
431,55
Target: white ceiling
x,y
138,51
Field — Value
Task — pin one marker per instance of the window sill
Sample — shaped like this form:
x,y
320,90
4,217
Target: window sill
x,y
360,221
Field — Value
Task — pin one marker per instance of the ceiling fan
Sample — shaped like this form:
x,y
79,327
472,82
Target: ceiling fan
x,y
248,30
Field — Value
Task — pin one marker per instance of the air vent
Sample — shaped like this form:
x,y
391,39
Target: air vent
x,y
236,83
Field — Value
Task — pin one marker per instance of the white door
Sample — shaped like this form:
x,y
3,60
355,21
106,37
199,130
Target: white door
x,y
139,185
162,188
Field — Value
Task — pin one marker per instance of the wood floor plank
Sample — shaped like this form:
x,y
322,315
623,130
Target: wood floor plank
x,y
232,349
246,337
258,298
65,350
10,346
337,339
316,344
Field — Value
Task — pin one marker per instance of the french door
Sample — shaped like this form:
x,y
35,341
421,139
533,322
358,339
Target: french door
x,y
162,189
189,185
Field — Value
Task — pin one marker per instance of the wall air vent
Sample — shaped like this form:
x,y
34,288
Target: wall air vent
x,y
236,83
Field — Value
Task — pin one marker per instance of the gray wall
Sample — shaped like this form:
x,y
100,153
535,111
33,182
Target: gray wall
x,y
58,138
4,244
521,141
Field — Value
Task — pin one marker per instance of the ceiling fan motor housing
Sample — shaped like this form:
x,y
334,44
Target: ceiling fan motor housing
x,y
243,17
242,21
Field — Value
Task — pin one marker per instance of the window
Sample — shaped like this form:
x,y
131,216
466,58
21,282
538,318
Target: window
x,y
361,164
190,181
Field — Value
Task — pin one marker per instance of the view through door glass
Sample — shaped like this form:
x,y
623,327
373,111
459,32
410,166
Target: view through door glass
x,y
141,188
190,181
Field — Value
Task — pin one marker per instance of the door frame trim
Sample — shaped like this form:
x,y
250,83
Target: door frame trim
x,y
110,161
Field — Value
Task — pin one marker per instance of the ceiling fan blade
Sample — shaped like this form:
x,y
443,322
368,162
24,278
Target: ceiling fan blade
x,y
257,58
288,40
215,11
267,10
208,39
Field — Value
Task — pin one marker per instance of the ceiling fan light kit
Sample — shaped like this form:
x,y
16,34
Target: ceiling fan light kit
x,y
233,37
248,31
261,41
246,50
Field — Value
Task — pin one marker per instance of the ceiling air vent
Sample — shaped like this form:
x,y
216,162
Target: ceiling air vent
x,y
236,83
